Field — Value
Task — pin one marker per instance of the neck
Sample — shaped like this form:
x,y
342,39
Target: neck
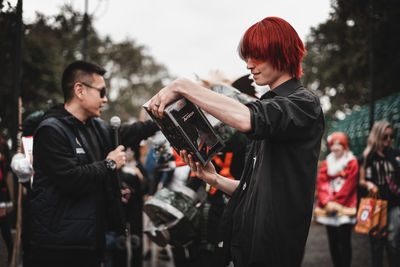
x,y
381,152
281,79
76,111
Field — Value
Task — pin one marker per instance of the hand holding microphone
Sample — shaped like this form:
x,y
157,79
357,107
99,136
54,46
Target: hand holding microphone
x,y
118,156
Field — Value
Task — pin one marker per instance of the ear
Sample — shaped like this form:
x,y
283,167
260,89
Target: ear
x,y
78,90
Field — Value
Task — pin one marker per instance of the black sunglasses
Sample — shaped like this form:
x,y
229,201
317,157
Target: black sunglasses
x,y
101,90
386,136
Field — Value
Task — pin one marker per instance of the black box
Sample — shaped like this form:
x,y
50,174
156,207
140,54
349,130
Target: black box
x,y
186,127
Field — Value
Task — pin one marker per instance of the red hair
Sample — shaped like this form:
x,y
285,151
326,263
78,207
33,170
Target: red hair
x,y
276,41
339,136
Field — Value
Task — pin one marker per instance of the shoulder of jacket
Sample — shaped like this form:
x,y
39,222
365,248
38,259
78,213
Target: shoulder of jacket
x,y
59,125
305,93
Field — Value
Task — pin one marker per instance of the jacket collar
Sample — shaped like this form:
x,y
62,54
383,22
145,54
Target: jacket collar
x,y
284,89
59,112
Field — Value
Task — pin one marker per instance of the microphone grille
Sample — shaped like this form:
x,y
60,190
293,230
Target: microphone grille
x,y
115,122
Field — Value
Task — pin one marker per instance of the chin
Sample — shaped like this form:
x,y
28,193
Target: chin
x,y
260,83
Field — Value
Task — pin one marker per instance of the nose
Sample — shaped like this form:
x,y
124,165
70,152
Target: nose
x,y
250,64
105,99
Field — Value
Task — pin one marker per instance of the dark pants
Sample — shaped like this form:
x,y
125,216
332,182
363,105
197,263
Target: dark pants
x,y
340,244
391,241
191,256
61,258
6,233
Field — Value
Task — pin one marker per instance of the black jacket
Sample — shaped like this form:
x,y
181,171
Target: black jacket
x,y
270,211
73,193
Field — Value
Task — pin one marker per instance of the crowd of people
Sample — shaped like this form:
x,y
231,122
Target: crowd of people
x,y
378,171
87,183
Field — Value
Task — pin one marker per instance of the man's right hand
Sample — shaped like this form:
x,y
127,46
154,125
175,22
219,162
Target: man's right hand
x,y
118,155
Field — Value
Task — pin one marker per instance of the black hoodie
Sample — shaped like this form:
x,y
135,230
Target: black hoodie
x,y
71,203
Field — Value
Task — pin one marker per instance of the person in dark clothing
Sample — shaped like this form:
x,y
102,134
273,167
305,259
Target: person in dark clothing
x,y
21,165
75,194
267,219
5,200
132,175
380,172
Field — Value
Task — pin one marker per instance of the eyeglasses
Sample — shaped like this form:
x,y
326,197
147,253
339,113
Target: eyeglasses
x,y
101,90
386,136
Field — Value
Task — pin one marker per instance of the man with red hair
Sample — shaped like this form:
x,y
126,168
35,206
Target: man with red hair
x,y
267,220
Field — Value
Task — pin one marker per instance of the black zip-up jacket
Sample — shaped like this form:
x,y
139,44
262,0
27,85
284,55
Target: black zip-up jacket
x,y
71,202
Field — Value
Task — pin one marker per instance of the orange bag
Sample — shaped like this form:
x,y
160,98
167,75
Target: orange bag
x,y
380,205
372,216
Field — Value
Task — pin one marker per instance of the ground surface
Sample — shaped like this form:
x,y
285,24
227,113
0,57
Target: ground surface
x,y
316,254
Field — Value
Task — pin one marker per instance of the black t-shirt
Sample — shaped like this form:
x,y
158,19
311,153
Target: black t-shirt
x,y
380,170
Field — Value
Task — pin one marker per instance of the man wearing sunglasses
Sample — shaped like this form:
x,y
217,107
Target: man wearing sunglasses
x,y
75,192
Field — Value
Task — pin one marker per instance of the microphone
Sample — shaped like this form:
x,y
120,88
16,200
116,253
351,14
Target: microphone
x,y
115,123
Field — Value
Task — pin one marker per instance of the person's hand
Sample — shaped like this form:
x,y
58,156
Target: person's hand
x,y
331,208
118,155
125,193
206,173
371,187
2,212
167,95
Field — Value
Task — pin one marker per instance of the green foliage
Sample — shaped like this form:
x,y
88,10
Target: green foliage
x,y
357,36
50,43
7,44
134,77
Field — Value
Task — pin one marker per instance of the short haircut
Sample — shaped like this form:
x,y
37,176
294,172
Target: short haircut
x,y
75,72
274,40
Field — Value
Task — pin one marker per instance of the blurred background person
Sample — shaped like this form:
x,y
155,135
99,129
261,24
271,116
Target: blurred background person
x,y
5,200
21,166
380,172
132,175
337,198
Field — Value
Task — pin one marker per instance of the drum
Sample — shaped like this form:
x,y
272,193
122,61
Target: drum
x,y
174,216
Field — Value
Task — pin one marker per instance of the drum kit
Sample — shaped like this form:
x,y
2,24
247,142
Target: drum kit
x,y
174,217
173,210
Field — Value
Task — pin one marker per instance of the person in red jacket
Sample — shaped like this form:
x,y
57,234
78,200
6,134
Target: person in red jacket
x,y
337,197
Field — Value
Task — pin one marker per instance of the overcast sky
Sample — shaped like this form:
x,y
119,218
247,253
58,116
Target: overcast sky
x,y
189,37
